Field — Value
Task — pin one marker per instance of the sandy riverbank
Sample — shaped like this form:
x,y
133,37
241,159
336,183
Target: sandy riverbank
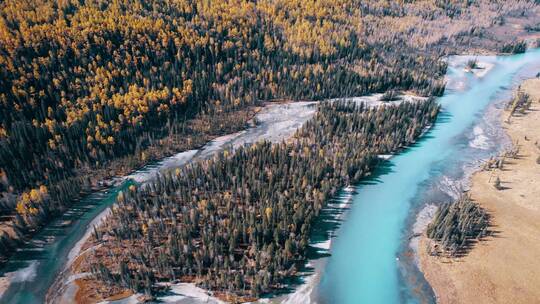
x,y
505,267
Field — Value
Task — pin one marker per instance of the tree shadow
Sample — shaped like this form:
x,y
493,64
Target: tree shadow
x,y
56,238
326,225
471,241
444,117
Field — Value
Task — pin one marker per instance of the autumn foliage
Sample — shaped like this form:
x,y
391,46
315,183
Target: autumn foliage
x,y
84,84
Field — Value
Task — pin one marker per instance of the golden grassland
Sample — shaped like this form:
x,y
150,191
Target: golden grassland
x,y
505,267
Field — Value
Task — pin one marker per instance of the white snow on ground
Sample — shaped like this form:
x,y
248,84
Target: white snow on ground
x,y
483,69
275,122
280,121
185,293
129,300
303,293
323,245
218,144
375,99
26,274
76,250
188,291
458,64
178,159
423,219
454,188
385,156
30,249
480,140
150,171
345,199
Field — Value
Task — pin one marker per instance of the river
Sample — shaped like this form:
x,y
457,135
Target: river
x,y
370,260
33,269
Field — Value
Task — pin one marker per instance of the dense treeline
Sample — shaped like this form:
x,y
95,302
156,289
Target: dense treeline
x,y
29,212
516,47
86,83
240,222
82,83
457,226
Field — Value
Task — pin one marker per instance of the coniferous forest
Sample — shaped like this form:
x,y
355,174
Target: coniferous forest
x,y
92,89
239,223
457,226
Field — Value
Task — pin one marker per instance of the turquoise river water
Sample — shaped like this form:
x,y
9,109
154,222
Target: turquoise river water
x,y
368,261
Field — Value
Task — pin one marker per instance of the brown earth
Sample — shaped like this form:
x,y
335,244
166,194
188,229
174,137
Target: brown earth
x,y
506,267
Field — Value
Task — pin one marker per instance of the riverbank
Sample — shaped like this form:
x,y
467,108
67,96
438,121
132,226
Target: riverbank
x,y
87,293
274,122
88,178
49,252
504,268
105,178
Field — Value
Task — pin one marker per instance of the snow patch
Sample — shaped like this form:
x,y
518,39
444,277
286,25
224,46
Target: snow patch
x,y
325,245
424,217
374,100
25,274
480,140
76,250
483,69
385,156
150,171
303,293
454,188
189,293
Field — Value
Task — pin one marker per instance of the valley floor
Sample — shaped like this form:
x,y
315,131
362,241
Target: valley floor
x,y
504,268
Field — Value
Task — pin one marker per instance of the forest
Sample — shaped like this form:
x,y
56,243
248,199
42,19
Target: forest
x,y
239,224
94,89
457,226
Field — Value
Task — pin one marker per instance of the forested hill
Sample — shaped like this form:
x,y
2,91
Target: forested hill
x,y
83,83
